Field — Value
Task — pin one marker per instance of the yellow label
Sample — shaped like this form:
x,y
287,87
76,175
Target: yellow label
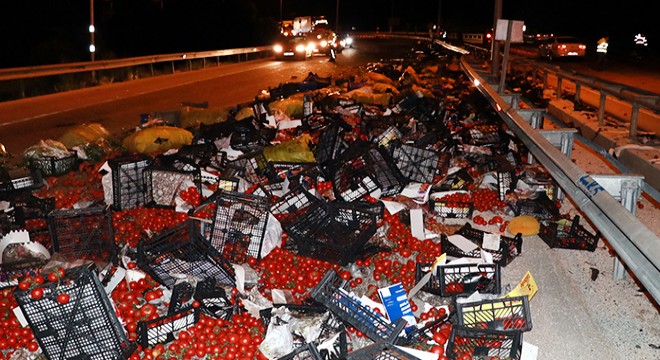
x,y
526,287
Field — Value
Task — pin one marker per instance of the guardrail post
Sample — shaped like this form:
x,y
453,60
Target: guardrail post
x,y
559,80
634,115
189,64
151,68
218,60
578,87
601,107
627,189
21,84
204,63
173,69
545,79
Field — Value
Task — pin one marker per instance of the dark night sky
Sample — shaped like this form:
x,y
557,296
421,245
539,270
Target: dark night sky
x,y
52,31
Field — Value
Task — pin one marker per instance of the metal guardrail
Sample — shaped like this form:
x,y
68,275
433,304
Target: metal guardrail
x,y
23,73
638,98
59,69
636,245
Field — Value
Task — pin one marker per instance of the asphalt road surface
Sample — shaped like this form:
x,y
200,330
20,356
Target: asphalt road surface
x,y
118,106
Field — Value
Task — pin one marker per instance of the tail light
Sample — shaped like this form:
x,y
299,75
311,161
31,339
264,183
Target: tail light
x,y
562,47
583,47
488,36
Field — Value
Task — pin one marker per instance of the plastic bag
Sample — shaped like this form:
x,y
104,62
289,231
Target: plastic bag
x,y
295,150
83,134
193,117
292,107
47,148
278,340
379,78
157,139
365,95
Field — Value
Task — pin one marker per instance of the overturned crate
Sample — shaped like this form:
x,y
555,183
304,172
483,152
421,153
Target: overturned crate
x,y
131,182
331,292
179,317
85,327
239,226
415,163
54,166
335,232
213,299
83,234
182,251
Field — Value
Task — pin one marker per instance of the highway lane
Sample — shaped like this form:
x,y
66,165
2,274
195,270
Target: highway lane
x,y
118,106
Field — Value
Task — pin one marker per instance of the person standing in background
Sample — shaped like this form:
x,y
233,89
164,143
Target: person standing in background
x,y
601,52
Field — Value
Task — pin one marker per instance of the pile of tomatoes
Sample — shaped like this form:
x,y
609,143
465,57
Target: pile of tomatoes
x,y
133,224
75,186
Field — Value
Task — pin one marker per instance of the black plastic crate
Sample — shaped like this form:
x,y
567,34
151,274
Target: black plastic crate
x,y
415,163
465,279
180,316
84,328
484,135
452,209
509,247
387,138
214,300
506,183
19,180
52,166
12,271
566,234
25,207
352,179
131,182
239,225
292,205
388,177
380,351
456,181
331,292
83,234
330,145
540,207
433,285
183,251
507,314
305,352
484,344
318,121
333,232
252,167
162,329
205,154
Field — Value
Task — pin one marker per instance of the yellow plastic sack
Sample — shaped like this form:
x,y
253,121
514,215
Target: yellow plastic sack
x,y
193,117
83,134
244,113
379,78
366,96
294,150
525,224
291,107
157,139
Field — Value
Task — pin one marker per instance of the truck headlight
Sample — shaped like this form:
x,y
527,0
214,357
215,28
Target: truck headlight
x,y
300,48
278,48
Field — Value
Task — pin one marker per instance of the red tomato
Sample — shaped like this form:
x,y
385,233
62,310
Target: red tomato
x,y
63,298
37,293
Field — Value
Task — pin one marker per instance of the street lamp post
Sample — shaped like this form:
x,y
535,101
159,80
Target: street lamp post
x,y
337,18
92,31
